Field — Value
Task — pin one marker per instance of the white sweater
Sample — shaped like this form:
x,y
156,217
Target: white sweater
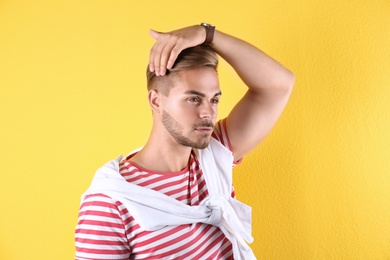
x,y
154,210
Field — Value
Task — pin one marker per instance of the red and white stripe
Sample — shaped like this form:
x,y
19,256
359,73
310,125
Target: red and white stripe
x,y
106,230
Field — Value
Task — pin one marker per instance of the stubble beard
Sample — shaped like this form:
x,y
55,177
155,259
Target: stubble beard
x,y
175,129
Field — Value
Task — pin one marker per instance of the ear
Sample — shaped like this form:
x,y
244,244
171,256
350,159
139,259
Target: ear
x,y
154,100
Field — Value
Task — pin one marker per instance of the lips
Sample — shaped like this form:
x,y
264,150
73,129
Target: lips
x,y
204,129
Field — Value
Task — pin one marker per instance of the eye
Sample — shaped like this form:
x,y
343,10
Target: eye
x,y
194,99
215,100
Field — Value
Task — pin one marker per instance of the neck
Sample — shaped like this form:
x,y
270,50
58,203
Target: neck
x,y
162,155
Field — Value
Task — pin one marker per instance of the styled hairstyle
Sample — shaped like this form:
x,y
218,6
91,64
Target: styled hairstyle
x,y
189,59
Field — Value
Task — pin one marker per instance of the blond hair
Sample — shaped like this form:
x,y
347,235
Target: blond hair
x,y
189,59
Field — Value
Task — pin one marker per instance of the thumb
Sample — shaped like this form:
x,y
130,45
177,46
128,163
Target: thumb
x,y
154,34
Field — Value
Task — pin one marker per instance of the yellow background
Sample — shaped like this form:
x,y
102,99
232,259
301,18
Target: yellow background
x,y
73,96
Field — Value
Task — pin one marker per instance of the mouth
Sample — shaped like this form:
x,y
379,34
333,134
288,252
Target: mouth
x,y
204,130
206,127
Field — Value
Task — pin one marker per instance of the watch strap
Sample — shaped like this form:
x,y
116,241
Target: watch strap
x,y
210,29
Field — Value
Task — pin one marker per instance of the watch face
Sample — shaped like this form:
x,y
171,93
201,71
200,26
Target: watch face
x,y
207,25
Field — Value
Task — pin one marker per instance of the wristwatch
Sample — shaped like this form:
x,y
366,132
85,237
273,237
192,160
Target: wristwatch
x,y
210,29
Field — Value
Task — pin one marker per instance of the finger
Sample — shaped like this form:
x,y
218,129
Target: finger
x,y
176,50
155,34
151,58
173,56
156,54
165,56
154,57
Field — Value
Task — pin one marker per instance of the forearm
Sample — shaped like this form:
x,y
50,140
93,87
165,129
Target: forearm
x,y
258,71
269,83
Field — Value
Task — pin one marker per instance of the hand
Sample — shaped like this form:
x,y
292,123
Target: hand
x,y
169,45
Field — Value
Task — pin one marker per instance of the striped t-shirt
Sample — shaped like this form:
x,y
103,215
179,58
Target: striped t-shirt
x,y
106,230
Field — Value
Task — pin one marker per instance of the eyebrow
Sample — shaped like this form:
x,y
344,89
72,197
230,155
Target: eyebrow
x,y
194,92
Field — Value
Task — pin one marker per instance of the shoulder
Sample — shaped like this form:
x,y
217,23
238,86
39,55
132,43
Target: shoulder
x,y
101,205
101,213
102,219
220,133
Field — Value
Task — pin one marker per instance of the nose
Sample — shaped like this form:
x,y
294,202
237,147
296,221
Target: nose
x,y
208,111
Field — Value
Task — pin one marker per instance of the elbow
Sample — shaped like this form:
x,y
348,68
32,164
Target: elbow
x,y
289,81
285,82
285,85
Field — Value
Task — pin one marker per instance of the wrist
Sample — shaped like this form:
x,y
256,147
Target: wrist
x,y
210,30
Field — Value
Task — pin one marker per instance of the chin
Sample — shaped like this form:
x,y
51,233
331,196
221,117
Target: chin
x,y
201,146
201,143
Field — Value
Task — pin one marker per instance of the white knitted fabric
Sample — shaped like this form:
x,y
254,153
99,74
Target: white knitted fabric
x,y
154,210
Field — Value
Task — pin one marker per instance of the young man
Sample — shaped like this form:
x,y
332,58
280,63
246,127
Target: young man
x,y
173,199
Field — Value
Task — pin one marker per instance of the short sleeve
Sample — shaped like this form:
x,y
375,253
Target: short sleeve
x,y
100,231
220,134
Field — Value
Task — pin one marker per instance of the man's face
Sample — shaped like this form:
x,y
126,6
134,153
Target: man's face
x,y
190,110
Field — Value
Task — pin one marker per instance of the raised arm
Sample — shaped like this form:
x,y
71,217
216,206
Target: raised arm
x,y
269,83
269,88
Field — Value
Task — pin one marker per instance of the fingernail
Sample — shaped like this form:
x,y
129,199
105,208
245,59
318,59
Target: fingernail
x,y
151,68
